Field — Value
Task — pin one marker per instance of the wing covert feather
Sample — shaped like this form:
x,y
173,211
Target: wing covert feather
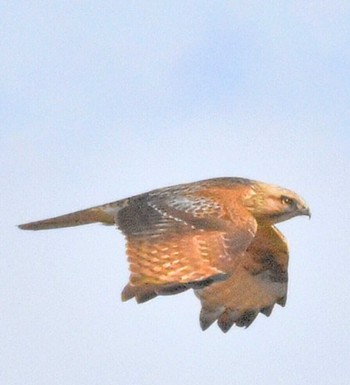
x,y
174,245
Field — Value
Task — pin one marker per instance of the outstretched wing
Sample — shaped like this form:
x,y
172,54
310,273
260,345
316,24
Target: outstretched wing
x,y
257,284
180,242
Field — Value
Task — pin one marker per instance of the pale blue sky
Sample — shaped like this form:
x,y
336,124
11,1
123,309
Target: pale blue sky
x,y
102,100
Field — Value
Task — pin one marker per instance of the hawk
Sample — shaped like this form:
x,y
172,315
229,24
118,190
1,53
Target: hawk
x,y
216,236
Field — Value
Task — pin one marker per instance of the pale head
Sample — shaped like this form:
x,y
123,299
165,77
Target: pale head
x,y
273,204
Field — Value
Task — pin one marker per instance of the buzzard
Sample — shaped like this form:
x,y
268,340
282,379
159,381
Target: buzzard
x,y
216,236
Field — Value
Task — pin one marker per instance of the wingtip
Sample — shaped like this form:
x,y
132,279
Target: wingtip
x,y
226,321
282,301
207,318
267,310
204,325
141,294
127,293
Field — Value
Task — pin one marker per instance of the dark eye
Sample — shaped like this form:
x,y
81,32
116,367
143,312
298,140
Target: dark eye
x,y
287,201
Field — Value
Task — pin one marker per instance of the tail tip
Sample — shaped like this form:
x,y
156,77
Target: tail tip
x,y
25,226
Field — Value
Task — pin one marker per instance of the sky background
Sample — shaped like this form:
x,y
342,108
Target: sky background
x,y
103,100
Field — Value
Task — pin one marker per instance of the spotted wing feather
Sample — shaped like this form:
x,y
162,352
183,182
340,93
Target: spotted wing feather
x,y
258,283
173,246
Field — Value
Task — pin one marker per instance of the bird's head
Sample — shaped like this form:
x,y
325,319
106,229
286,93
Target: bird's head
x,y
273,204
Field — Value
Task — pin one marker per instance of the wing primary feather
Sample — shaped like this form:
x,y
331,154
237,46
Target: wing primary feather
x,y
247,318
282,301
207,317
226,320
141,294
256,285
267,310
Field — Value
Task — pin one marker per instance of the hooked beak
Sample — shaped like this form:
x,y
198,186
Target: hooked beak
x,y
305,211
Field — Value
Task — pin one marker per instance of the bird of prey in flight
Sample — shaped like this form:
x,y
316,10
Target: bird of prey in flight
x,y
216,236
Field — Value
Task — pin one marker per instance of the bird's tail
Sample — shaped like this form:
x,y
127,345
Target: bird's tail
x,y
106,214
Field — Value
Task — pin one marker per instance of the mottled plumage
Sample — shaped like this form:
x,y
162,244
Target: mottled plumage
x,y
215,236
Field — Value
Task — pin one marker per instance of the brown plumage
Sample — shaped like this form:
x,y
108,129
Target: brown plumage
x,y
216,236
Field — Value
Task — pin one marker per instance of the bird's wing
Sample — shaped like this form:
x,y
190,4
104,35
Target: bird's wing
x,y
180,243
257,284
